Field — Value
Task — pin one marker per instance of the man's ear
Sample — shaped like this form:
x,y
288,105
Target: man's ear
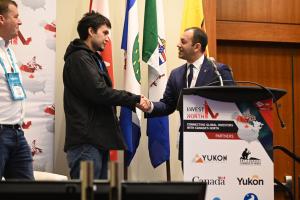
x,y
91,31
2,19
198,46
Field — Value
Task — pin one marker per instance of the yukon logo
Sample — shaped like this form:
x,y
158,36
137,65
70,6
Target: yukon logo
x,y
254,180
204,158
210,181
246,160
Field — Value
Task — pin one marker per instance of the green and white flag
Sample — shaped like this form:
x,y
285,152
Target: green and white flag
x,y
154,54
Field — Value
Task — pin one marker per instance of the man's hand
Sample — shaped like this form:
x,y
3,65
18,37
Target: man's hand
x,y
144,104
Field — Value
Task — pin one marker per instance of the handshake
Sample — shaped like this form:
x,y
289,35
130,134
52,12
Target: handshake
x,y
145,104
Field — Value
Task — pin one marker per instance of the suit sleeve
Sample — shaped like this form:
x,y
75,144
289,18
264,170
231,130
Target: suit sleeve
x,y
168,103
226,74
82,76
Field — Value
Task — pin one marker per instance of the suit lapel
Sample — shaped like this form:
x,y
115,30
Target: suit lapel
x,y
204,75
184,82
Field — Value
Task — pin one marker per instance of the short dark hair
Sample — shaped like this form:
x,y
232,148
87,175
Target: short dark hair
x,y
199,37
91,19
4,6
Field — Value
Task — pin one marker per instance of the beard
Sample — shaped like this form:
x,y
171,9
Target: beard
x,y
98,47
181,55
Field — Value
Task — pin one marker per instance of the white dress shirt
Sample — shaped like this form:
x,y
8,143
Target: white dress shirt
x,y
11,112
197,66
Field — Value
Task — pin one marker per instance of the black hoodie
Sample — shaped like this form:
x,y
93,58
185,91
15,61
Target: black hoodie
x,y
90,100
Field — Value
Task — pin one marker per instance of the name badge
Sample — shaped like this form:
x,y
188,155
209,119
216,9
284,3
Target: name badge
x,y
15,86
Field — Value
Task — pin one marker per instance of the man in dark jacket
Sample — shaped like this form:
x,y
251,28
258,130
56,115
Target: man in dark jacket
x,y
92,128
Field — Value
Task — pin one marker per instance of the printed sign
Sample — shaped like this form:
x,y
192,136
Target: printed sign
x,y
229,146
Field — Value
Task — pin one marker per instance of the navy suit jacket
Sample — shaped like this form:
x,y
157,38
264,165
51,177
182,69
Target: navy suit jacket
x,y
177,81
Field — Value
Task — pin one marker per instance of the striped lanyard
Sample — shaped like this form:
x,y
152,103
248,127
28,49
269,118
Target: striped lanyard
x,y
13,80
12,62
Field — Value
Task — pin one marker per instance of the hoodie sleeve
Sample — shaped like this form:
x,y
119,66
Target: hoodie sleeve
x,y
82,76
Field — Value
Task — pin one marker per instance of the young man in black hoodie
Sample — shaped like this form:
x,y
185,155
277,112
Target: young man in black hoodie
x,y
92,128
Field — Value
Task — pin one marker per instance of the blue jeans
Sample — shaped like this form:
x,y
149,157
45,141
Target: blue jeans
x,y
15,155
87,152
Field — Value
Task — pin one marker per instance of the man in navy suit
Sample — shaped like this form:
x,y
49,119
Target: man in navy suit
x,y
198,71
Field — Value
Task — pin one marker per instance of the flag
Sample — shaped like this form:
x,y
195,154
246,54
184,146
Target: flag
x,y
193,16
102,7
154,49
129,120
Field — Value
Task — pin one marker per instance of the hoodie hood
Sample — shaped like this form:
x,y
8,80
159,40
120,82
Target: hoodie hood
x,y
76,45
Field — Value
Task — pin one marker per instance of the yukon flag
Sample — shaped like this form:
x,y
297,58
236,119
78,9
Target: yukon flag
x,y
129,120
101,6
193,15
154,49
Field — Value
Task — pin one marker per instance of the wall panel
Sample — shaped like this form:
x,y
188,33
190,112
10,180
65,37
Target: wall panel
x,y
273,11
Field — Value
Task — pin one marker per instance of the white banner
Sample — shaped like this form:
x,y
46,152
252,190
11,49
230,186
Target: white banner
x,y
225,145
35,51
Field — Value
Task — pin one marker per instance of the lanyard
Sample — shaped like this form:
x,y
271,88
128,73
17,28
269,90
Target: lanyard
x,y
101,65
11,59
13,80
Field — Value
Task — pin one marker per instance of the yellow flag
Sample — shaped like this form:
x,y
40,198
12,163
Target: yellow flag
x,y
193,16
